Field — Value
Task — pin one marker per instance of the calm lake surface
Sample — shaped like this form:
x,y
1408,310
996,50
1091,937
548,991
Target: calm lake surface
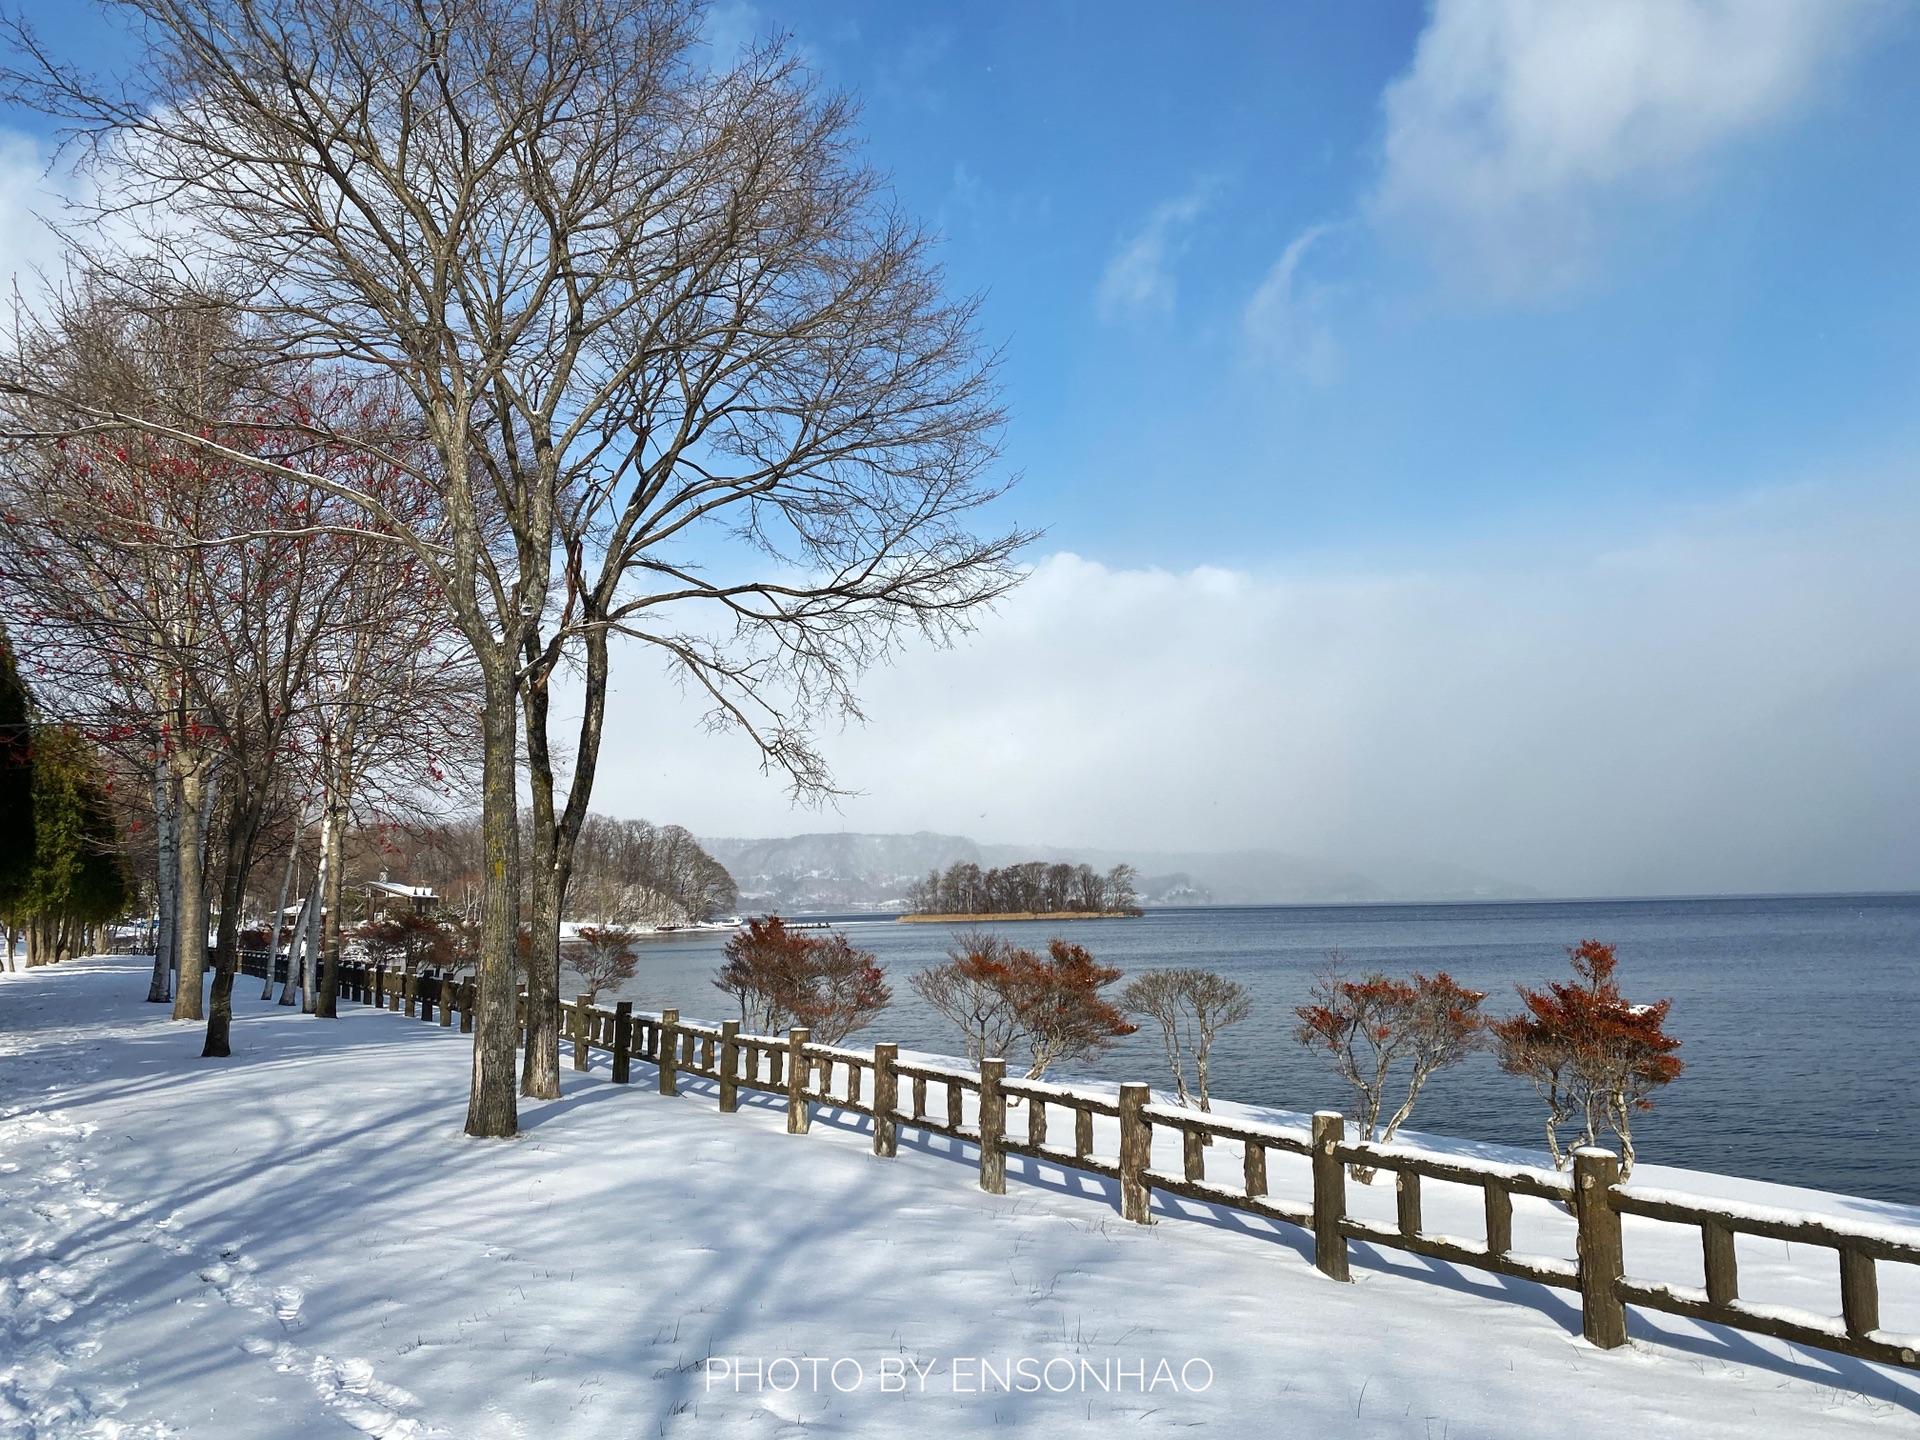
x,y
1800,1015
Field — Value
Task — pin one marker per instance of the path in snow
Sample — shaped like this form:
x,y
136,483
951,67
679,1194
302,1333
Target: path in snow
x,y
299,1242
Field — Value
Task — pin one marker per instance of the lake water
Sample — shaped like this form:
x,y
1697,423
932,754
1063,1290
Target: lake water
x,y
1800,1015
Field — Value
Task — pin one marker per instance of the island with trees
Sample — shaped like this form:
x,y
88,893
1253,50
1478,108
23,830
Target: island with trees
x,y
1035,890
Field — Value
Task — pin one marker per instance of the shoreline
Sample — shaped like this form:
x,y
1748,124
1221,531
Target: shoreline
x,y
1018,915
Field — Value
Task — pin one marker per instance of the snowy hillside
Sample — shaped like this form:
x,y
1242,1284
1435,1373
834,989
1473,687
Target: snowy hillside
x,y
300,1242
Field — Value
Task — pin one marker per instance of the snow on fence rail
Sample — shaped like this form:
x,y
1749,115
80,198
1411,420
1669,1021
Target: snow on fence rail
x,y
869,1082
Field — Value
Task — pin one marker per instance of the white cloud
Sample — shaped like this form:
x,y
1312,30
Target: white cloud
x,y
1139,280
29,196
730,28
1726,705
1520,122
1284,322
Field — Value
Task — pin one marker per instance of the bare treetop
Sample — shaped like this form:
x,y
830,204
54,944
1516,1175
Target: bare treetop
x,y
623,287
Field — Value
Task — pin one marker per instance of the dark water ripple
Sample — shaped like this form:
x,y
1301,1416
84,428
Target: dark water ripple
x,y
1800,1016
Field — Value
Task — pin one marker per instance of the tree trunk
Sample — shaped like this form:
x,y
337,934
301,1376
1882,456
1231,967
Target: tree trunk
x,y
296,946
540,1066
280,913
242,831
327,990
491,1107
166,882
310,950
554,839
191,929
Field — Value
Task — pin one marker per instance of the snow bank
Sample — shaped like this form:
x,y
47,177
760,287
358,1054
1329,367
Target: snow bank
x,y
300,1242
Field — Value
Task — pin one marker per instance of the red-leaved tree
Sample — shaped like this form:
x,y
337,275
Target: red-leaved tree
x,y
1591,1055
1062,1012
1371,1027
996,992
605,956
782,978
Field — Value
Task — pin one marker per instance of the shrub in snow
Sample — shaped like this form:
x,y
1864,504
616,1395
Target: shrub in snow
x,y
783,978
1593,1057
1191,1008
997,994
1373,1029
393,940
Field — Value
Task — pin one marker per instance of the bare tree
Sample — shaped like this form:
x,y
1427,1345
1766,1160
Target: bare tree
x,y
605,957
969,989
117,616
633,300
1191,1007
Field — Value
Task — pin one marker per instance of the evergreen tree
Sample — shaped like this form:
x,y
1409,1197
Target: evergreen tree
x,y
76,879
16,780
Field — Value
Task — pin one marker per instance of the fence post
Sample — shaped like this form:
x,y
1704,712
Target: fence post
x,y
582,1019
799,1112
1603,1319
1253,1167
429,986
379,995
1329,1195
729,1066
445,988
467,989
622,1042
522,1012
886,1099
1136,1154
666,1051
993,1126
410,988
1859,1292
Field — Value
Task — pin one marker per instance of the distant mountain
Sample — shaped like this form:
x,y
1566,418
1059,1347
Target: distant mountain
x,y
836,871
844,870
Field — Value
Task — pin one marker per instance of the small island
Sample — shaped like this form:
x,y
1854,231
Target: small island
x,y
1034,890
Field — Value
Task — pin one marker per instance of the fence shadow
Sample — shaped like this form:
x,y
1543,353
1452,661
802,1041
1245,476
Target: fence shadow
x,y
1709,1338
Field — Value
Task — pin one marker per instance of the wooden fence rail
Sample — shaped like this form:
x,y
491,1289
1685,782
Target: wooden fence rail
x,y
869,1082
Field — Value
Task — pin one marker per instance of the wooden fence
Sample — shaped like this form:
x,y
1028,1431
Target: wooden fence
x,y
896,1092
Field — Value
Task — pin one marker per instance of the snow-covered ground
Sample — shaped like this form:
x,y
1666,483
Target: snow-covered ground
x,y
300,1242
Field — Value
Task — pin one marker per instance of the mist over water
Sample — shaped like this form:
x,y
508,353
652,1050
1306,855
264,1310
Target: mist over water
x,y
1800,1016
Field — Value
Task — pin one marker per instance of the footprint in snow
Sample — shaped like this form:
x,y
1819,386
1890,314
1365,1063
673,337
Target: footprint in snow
x,y
287,1301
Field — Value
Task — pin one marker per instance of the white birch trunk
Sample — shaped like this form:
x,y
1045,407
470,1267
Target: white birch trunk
x,y
166,883
311,950
302,926
280,915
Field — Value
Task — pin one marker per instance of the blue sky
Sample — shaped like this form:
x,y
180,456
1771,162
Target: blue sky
x,y
1731,304
1482,431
